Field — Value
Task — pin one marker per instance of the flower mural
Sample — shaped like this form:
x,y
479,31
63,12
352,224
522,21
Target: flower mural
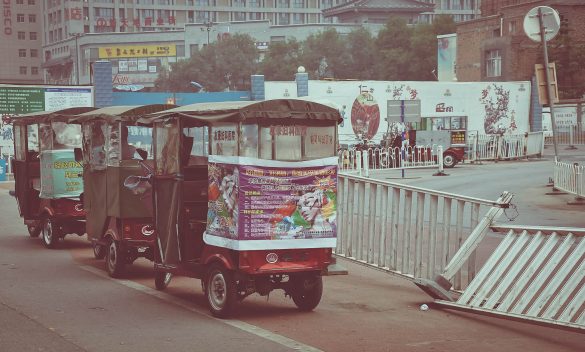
x,y
495,100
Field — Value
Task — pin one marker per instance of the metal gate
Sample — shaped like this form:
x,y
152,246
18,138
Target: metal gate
x,y
535,275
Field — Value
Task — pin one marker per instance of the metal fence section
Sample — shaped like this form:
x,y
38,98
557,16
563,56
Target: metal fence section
x,y
503,147
569,178
388,158
570,135
535,275
409,231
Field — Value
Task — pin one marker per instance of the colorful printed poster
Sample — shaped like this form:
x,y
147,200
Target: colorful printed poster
x,y
264,204
60,175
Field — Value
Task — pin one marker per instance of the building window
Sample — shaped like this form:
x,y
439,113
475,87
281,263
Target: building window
x,y
298,18
254,3
32,18
298,4
34,70
239,16
284,3
238,3
255,15
33,35
325,4
20,2
20,18
31,2
493,63
22,35
512,27
283,19
21,52
34,53
23,70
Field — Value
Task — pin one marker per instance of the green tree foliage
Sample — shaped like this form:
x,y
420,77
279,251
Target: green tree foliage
x,y
362,50
281,61
324,55
224,65
394,51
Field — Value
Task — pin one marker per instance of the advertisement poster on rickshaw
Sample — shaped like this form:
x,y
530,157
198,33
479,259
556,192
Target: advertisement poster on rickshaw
x,y
61,175
261,204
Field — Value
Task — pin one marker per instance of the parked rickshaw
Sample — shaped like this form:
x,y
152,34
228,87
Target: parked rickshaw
x,y
48,181
245,198
119,220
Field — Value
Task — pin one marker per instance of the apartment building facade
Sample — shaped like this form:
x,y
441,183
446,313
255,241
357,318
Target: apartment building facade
x,y
21,36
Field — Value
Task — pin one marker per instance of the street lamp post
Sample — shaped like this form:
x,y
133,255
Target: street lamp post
x,y
208,25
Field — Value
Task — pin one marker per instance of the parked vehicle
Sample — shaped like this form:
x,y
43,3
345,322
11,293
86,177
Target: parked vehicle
x,y
245,198
48,181
119,220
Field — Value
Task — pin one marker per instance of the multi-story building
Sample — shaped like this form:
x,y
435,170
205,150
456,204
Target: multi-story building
x,y
20,59
495,47
460,10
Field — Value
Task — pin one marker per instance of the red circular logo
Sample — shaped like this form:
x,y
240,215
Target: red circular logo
x,y
365,116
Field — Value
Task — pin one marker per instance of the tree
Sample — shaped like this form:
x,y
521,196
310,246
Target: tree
x,y
224,65
325,56
394,51
281,61
362,50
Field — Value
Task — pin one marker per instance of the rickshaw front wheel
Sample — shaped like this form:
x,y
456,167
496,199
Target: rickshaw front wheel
x,y
50,238
307,292
99,251
115,259
162,279
220,291
34,230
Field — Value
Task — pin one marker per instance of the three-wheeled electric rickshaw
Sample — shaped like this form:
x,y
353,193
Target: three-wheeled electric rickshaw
x,y
119,220
245,198
48,181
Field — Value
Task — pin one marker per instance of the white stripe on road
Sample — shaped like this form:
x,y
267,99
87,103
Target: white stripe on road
x,y
238,324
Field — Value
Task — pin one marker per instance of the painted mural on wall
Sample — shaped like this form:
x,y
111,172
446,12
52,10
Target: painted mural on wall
x,y
365,116
498,118
502,107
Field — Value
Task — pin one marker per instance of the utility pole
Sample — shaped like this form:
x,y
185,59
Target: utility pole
x,y
77,35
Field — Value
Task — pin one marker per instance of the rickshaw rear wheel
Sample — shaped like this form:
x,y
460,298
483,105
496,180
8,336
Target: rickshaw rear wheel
x,y
34,230
449,160
307,292
99,251
162,279
50,238
115,259
221,291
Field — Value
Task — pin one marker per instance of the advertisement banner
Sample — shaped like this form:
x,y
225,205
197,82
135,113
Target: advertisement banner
x,y
447,57
60,175
135,51
260,204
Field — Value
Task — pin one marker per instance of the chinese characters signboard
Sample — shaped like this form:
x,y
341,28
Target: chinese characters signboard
x,y
133,51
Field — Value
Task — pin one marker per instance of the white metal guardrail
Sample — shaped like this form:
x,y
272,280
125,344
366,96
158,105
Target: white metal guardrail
x,y
535,275
409,231
496,147
388,158
573,134
569,178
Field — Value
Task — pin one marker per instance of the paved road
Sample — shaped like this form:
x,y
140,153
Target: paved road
x,y
61,300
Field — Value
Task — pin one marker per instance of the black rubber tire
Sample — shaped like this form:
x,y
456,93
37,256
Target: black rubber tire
x,y
34,231
162,279
307,292
221,291
115,259
99,251
50,239
449,160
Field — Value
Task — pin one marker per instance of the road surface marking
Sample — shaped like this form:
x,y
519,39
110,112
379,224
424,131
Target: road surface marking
x,y
238,324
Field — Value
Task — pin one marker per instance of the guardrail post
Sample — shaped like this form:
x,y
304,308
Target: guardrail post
x,y
366,165
571,138
358,162
440,160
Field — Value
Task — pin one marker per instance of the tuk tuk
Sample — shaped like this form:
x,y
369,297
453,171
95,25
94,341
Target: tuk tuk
x,y
119,220
48,181
245,198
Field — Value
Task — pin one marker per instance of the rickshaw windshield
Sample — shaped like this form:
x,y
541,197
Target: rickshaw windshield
x,y
33,138
166,153
94,140
60,136
296,142
198,140
124,140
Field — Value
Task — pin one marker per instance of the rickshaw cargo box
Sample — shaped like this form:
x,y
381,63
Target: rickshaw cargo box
x,y
61,175
259,204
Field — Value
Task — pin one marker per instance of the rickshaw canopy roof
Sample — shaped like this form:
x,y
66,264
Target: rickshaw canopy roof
x,y
267,112
64,115
121,113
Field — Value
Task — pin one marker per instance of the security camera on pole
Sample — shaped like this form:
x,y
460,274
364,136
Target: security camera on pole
x,y
542,24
